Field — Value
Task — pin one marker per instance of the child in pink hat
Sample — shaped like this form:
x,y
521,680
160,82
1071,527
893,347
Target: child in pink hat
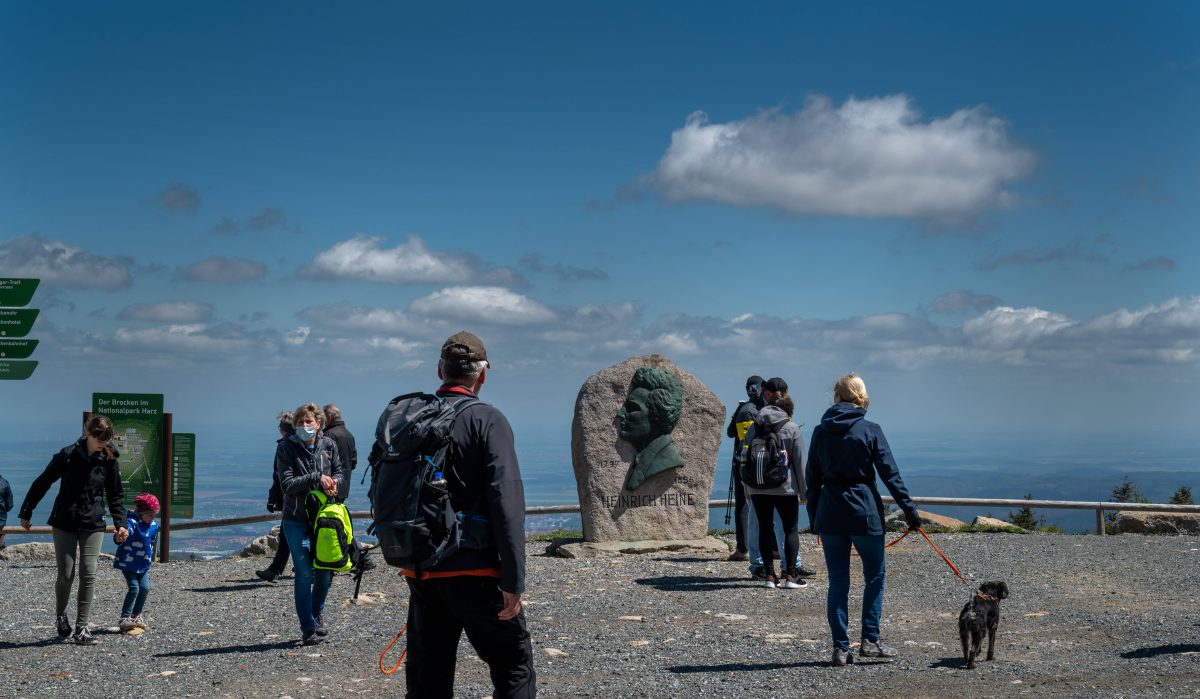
x,y
133,558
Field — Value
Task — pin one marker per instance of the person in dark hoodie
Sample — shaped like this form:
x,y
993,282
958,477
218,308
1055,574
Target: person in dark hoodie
x,y
274,504
6,504
741,420
845,509
307,460
90,478
335,429
783,499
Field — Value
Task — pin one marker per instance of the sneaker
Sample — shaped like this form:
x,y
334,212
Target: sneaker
x,y
759,573
127,624
876,649
793,582
140,621
841,658
83,636
310,638
805,572
64,625
322,629
266,574
739,556
771,581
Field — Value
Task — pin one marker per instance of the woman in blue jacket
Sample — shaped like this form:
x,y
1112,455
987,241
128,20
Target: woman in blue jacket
x,y
845,508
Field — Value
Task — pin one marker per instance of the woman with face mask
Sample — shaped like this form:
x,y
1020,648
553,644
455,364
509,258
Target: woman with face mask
x,y
307,460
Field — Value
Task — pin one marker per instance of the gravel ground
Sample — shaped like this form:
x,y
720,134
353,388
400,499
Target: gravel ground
x,y
1088,616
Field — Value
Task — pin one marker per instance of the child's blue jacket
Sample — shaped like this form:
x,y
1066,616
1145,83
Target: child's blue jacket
x,y
137,552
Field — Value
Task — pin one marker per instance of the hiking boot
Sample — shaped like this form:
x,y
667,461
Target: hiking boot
x,y
126,624
140,621
841,658
64,625
739,556
266,574
310,639
792,582
804,572
83,636
322,629
759,573
876,649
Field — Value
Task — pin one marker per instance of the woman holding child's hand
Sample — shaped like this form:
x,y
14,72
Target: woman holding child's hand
x,y
90,478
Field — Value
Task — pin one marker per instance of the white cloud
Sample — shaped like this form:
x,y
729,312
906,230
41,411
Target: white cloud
x,y
411,262
347,318
961,301
190,338
870,158
223,270
1006,327
485,304
675,343
168,312
60,264
298,336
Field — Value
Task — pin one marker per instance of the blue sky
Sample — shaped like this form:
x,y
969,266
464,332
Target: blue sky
x,y
987,210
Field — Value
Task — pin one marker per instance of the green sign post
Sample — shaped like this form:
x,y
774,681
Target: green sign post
x,y
183,474
17,322
17,292
138,435
16,371
17,349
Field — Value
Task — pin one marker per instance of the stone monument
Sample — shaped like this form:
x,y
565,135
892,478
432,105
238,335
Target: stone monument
x,y
644,447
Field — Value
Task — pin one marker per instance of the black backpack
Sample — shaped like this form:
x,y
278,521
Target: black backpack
x,y
413,518
765,461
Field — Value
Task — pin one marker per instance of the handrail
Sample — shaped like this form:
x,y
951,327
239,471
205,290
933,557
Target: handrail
x,y
1099,506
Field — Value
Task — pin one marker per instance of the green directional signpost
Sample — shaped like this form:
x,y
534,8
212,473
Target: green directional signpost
x,y
15,322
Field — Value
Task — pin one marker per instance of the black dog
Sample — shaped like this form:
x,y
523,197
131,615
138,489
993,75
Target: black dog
x,y
980,616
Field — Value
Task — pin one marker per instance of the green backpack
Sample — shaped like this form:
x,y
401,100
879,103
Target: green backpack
x,y
331,532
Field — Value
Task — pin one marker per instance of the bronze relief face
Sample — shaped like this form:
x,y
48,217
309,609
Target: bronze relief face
x,y
646,420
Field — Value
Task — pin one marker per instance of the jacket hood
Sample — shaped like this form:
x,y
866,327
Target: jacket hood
x,y
754,393
841,417
772,416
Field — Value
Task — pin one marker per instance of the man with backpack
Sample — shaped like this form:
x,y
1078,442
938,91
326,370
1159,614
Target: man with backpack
x,y
743,416
449,511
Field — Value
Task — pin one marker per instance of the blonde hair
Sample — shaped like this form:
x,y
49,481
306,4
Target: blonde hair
x,y
851,389
303,411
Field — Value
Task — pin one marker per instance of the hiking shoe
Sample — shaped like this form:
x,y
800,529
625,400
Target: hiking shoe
x,y
793,582
759,573
841,658
310,638
64,625
83,636
876,649
126,624
266,574
739,556
804,572
322,629
140,621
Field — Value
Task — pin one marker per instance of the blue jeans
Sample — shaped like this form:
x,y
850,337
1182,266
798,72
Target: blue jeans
x,y
751,521
837,561
135,598
311,586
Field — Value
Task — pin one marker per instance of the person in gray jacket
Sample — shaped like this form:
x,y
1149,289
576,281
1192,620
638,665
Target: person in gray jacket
x,y
784,498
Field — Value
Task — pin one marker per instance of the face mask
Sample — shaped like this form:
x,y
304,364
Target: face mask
x,y
306,433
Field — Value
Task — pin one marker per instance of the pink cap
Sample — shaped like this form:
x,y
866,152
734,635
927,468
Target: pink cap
x,y
146,502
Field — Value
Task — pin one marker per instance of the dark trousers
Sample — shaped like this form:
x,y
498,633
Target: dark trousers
x,y
788,507
439,611
282,553
740,511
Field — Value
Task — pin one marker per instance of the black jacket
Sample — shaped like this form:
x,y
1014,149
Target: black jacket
x,y
6,501
275,493
346,450
300,471
485,482
743,417
847,451
88,481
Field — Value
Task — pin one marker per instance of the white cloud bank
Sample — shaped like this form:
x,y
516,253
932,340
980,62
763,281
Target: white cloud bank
x,y
61,264
365,258
483,304
870,158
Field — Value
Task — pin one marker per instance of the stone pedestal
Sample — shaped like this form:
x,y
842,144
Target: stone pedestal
x,y
641,479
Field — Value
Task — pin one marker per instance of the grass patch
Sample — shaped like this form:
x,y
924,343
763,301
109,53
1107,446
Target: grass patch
x,y
722,532
557,534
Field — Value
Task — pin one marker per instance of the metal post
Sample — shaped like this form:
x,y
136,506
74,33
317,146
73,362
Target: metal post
x,y
164,529
1100,521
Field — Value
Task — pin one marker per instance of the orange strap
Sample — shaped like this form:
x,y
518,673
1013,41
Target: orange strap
x,y
947,560
389,647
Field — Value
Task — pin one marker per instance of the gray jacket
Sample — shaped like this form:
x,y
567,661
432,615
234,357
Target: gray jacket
x,y
772,417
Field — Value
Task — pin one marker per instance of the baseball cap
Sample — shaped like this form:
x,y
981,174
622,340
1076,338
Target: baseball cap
x,y
464,346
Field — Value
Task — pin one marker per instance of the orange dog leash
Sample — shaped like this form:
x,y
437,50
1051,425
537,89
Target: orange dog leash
x,y
389,647
947,560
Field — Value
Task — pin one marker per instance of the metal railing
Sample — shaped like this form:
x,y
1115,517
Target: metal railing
x,y
1099,507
